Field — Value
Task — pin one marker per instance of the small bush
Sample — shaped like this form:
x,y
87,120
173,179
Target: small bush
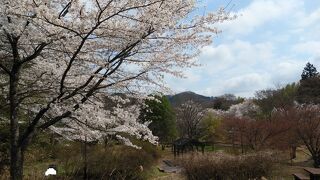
x,y
219,166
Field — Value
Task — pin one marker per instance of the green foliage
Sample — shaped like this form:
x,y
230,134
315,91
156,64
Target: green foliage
x,y
210,128
162,117
282,98
309,72
309,91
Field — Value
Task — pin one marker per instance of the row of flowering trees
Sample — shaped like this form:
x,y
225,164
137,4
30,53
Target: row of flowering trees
x,y
286,129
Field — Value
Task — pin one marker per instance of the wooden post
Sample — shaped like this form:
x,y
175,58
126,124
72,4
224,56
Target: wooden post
x,y
85,158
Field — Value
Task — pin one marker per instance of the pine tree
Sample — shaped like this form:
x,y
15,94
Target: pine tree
x,y
309,89
309,71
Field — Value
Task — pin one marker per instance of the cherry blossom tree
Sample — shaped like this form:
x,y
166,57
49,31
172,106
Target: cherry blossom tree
x,y
247,108
123,118
58,57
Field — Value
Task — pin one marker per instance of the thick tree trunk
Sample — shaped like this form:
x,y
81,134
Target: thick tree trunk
x,y
16,163
16,152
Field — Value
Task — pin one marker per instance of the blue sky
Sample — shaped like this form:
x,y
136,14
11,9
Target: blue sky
x,y
267,46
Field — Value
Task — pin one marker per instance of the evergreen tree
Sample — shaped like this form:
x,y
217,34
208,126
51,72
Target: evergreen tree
x,y
309,89
309,71
162,117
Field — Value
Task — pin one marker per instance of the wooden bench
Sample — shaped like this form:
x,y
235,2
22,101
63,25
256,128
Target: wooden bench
x,y
314,173
299,176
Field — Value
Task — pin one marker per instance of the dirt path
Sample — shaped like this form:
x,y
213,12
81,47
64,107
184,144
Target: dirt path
x,y
167,163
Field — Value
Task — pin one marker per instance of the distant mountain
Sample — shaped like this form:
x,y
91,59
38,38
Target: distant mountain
x,y
183,97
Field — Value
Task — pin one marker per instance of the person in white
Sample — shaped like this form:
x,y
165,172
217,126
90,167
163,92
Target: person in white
x,y
50,171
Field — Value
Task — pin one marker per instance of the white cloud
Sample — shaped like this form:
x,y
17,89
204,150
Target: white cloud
x,y
287,71
192,77
305,25
240,84
233,67
228,68
244,81
236,54
310,48
309,19
258,13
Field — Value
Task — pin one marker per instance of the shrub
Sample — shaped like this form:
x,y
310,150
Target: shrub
x,y
117,162
221,166
103,162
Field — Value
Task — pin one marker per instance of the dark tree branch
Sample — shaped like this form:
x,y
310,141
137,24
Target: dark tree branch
x,y
65,10
35,54
5,69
